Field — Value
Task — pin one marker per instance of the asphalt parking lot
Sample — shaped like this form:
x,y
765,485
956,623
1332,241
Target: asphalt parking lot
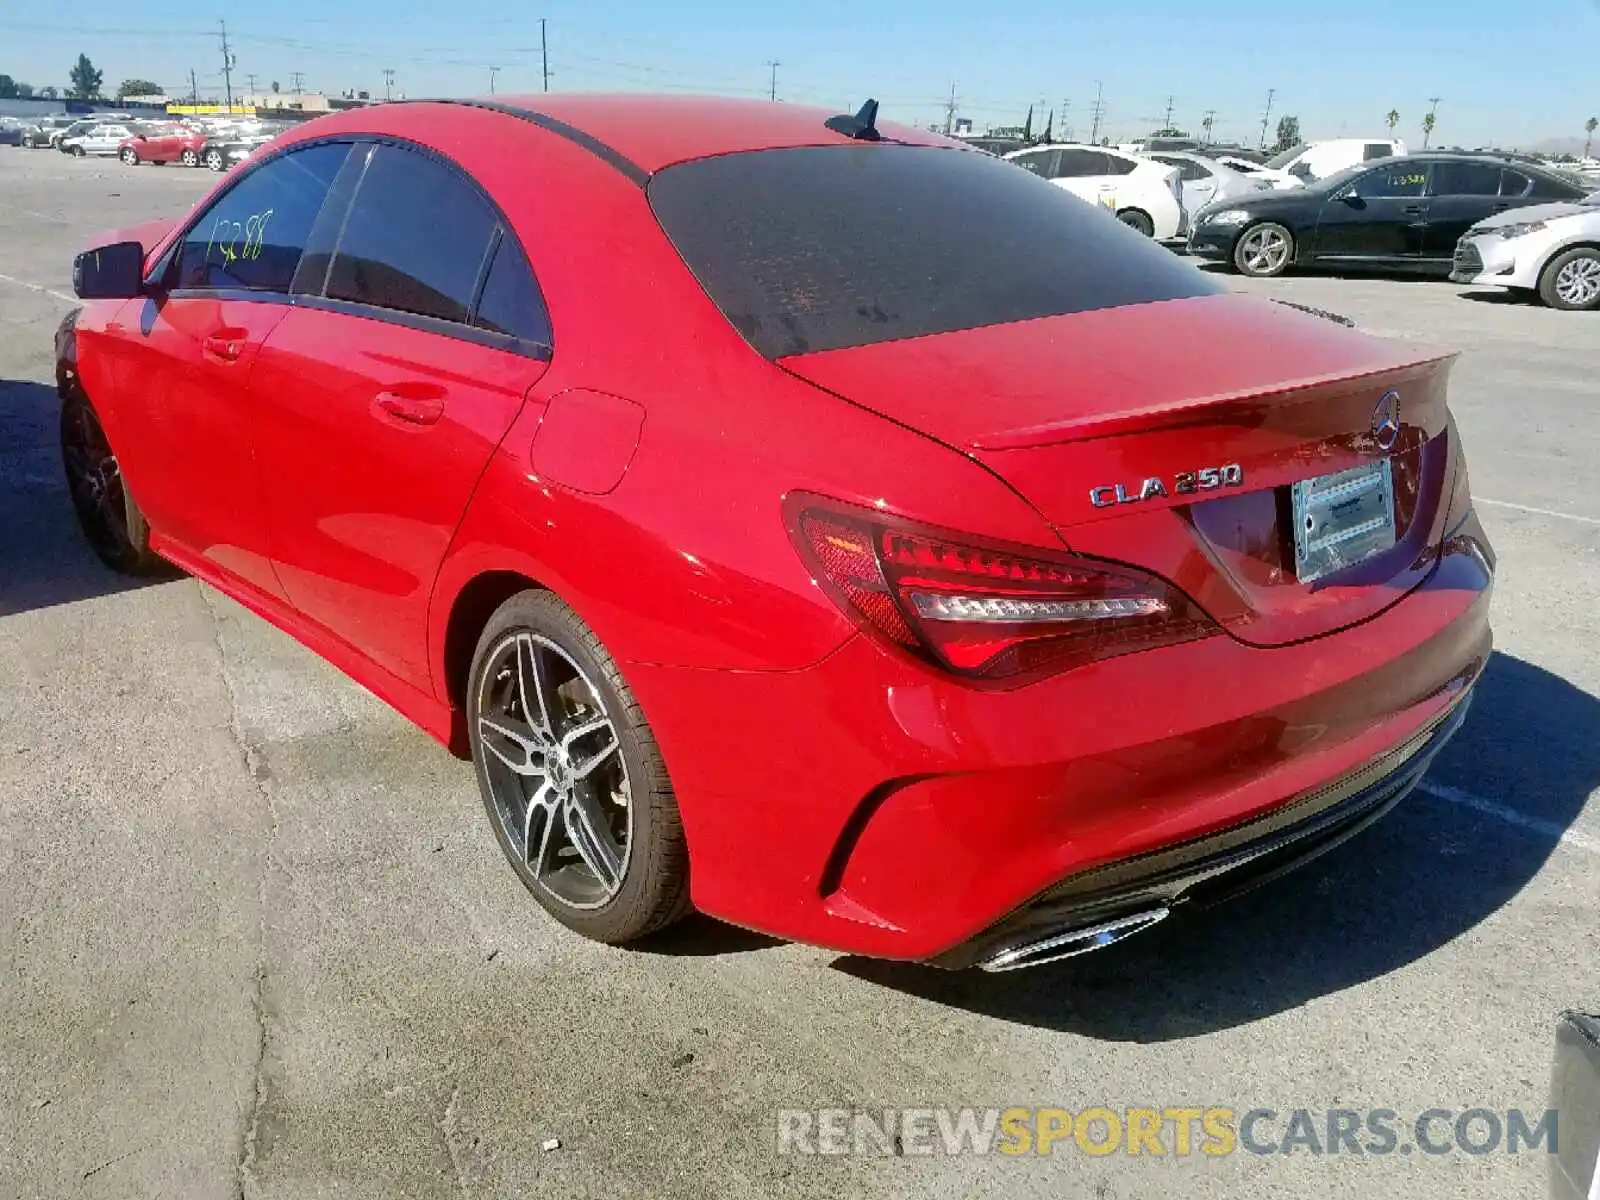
x,y
256,937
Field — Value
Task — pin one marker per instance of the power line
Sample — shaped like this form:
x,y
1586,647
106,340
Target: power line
x,y
772,91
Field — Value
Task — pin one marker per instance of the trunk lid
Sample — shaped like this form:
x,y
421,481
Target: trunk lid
x,y
1080,413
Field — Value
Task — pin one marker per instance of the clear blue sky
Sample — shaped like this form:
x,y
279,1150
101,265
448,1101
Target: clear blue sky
x,y
1507,73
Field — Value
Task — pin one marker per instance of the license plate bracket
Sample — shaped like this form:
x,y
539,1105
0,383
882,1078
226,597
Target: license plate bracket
x,y
1341,519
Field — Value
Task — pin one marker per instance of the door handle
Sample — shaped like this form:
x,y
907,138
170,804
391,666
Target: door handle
x,y
225,344
413,410
1413,209
1501,207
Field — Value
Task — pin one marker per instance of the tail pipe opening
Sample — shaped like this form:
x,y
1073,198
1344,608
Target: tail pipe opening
x,y
1073,942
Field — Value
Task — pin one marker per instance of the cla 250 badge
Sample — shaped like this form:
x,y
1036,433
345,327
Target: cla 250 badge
x,y
1184,483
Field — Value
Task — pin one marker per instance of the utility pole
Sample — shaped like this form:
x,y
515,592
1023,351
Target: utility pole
x,y
1066,120
251,77
950,111
772,91
1206,123
388,82
194,88
493,71
1167,124
227,66
297,81
1098,112
1267,116
544,54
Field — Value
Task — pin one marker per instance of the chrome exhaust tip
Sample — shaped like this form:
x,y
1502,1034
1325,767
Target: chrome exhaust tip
x,y
1074,942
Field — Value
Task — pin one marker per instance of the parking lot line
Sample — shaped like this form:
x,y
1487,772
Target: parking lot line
x,y
38,287
1501,812
1543,512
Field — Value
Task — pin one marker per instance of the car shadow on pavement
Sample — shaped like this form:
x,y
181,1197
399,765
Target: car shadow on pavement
x,y
699,936
1422,876
44,559
1499,296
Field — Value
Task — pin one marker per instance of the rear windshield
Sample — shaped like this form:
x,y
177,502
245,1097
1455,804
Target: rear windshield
x,y
824,247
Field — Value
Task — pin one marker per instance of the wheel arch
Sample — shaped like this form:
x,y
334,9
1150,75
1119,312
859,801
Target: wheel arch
x,y
473,603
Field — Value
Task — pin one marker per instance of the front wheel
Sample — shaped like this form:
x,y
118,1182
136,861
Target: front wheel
x,y
1571,281
1137,219
131,157
574,784
215,161
1264,251
78,152
191,159
110,520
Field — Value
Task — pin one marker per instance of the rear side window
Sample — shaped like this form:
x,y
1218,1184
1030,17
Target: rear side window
x,y
1514,183
1117,165
1081,164
252,237
1040,162
1375,150
823,247
511,303
1465,179
415,239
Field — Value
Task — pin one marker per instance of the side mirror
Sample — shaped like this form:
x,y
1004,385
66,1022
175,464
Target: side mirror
x,y
1349,196
114,272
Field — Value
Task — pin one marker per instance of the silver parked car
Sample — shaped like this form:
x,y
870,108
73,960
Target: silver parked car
x,y
1551,250
1205,179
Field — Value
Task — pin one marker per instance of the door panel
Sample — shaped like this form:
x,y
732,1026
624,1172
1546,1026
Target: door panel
x,y
183,381
1381,215
1462,194
370,438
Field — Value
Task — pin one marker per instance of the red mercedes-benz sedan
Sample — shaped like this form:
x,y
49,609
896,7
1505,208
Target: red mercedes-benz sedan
x,y
809,521
169,143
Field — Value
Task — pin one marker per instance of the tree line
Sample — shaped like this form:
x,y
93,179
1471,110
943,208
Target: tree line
x,y
84,83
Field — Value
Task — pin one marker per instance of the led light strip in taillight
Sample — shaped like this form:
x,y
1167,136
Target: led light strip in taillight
x,y
993,608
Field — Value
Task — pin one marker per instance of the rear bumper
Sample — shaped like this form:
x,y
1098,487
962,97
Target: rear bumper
x,y
871,805
1211,869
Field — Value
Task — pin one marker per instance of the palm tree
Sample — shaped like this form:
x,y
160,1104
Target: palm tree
x,y
1589,127
1427,130
1206,124
1393,118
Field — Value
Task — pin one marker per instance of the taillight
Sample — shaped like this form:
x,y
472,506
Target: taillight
x,y
985,610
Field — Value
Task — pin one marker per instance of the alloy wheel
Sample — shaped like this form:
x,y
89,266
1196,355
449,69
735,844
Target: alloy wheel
x,y
1578,283
553,764
1264,250
94,481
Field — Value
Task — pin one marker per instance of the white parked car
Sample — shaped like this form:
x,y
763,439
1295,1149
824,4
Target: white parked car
x,y
97,139
1143,193
1203,179
1318,160
1280,181
1551,250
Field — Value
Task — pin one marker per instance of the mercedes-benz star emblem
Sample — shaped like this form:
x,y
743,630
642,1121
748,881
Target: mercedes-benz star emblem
x,y
1386,420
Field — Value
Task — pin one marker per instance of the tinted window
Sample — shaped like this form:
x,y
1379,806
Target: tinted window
x,y
1040,162
1514,183
1117,165
1401,180
415,239
1465,179
253,236
1189,170
1374,150
511,302
822,247
1080,164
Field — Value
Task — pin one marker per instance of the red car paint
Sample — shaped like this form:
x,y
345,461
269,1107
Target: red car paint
x,y
358,483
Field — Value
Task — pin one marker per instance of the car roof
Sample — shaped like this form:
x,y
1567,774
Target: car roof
x,y
653,131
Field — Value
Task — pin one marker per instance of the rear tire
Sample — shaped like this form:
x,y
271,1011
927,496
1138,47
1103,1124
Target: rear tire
x,y
1138,219
111,521
1264,251
191,159
587,820
77,152
1571,281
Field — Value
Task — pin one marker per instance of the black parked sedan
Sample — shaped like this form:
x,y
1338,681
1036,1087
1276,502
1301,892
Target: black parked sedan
x,y
1396,214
